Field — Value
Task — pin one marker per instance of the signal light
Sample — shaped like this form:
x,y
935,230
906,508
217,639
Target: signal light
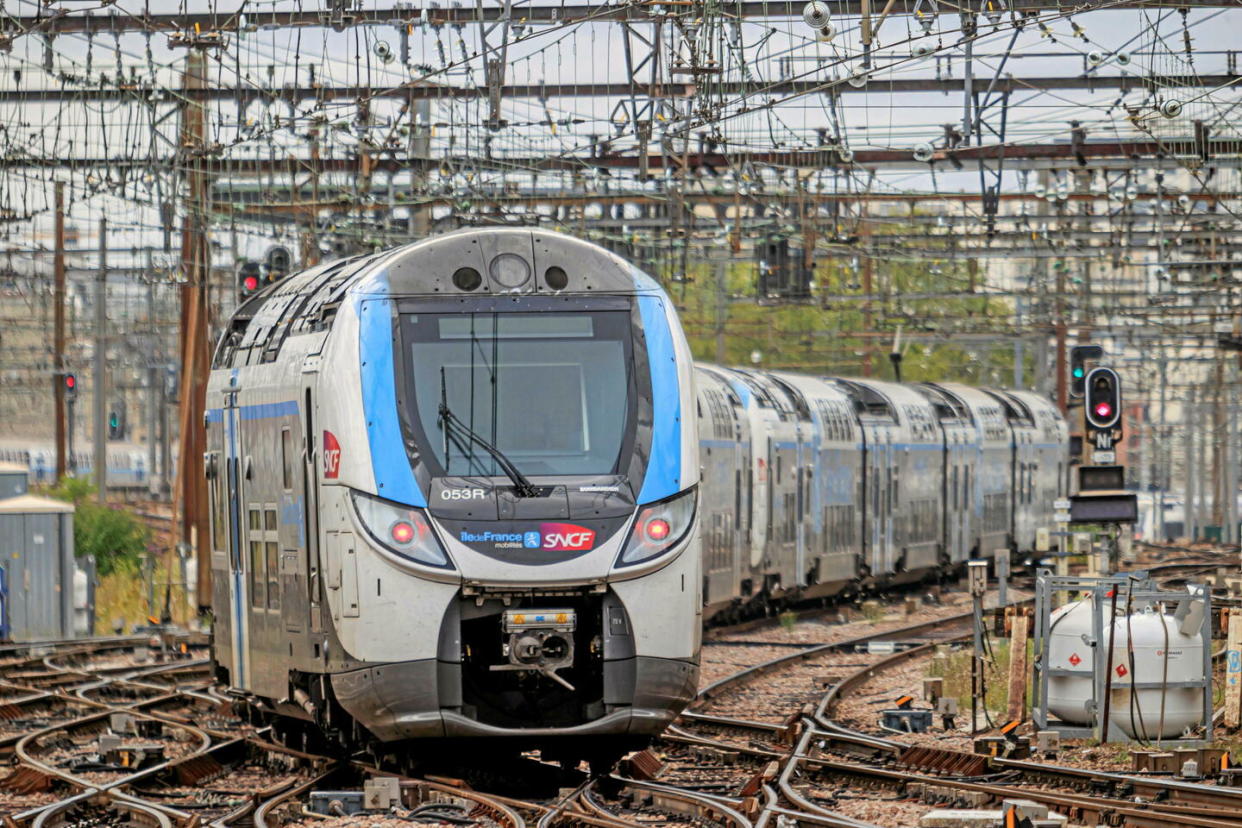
x,y
249,280
71,386
658,529
1103,392
1080,355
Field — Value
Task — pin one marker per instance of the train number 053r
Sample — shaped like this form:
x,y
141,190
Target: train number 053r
x,y
462,494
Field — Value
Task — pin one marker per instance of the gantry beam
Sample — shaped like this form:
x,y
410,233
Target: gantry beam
x,y
1220,153
418,91
60,20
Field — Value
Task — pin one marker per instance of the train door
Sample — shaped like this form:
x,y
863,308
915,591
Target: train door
x,y
801,453
310,505
957,502
875,486
890,458
238,598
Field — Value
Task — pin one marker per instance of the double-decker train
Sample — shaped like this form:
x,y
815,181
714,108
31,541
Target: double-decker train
x,y
817,486
454,489
476,487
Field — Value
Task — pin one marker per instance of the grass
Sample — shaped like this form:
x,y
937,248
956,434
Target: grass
x,y
954,668
124,595
873,611
788,620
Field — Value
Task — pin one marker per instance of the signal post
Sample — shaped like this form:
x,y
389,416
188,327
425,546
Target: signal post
x,y
1099,495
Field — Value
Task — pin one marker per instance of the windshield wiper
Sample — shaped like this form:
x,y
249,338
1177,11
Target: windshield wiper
x,y
448,419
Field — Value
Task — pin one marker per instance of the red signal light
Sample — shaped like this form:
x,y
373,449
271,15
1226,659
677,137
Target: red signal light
x,y
1103,411
658,529
402,532
71,381
250,283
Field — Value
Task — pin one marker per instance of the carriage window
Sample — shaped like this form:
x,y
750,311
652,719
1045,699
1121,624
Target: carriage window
x,y
217,509
286,458
273,575
257,581
269,519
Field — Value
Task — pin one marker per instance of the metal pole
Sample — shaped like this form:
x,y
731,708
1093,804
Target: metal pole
x,y
1107,629
1018,357
722,268
58,335
1161,477
100,434
1231,468
1191,488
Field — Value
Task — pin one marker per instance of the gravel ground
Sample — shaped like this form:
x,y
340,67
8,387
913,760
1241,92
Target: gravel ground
x,y
13,803
860,710
878,807
773,697
720,660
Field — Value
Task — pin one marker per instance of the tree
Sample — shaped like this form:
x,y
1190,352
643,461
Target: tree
x,y
115,537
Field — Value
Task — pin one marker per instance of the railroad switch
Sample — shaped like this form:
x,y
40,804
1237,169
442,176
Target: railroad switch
x,y
134,756
946,706
906,720
149,728
381,793
336,803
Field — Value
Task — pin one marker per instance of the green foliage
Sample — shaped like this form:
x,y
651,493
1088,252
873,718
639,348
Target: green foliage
x,y
115,537
930,301
788,619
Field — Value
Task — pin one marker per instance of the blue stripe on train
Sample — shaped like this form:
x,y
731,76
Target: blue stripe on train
x,y
394,479
663,478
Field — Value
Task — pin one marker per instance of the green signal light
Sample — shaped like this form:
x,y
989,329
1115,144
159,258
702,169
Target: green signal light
x,y
1078,372
114,421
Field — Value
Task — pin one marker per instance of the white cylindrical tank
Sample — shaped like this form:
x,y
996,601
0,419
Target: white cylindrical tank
x,y
81,608
1069,695
1161,655
1158,660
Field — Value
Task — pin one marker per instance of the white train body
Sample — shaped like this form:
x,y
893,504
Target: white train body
x,y
377,570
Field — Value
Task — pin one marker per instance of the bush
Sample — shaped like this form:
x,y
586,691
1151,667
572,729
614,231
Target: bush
x,y
115,537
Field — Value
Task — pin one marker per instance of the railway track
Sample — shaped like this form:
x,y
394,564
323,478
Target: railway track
x,y
759,748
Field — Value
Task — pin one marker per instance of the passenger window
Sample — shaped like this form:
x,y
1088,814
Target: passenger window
x,y
273,575
258,582
269,520
286,458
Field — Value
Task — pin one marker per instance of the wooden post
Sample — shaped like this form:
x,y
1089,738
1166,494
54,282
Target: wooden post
x,y
1233,671
190,494
1017,668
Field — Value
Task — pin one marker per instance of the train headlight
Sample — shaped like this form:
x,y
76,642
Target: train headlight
x,y
402,530
659,527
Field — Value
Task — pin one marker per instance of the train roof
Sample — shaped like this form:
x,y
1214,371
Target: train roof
x,y
478,262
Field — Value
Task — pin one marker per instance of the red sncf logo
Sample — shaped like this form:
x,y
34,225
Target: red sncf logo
x,y
331,455
566,537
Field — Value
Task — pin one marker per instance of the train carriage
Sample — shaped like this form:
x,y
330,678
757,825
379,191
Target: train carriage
x,y
832,545
1038,467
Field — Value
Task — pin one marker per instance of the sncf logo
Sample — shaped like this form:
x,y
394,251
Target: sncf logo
x,y
331,456
566,537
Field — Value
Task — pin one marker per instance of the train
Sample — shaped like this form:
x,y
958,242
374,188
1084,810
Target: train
x,y
476,489
454,496
818,487
128,469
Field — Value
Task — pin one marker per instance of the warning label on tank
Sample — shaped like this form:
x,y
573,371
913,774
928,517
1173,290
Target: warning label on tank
x,y
1074,659
1121,670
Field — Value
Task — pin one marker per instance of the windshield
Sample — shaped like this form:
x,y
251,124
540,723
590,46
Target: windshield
x,y
551,391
